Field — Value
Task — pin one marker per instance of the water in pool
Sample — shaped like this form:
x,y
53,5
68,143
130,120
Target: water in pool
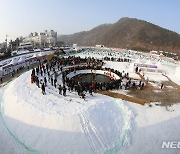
x,y
99,78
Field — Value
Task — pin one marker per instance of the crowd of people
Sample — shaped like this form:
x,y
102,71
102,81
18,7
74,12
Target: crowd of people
x,y
83,86
119,59
46,74
72,60
43,72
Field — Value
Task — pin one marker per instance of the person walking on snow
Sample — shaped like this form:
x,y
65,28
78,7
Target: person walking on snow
x,y
64,91
37,81
55,81
60,89
162,85
51,81
45,81
43,89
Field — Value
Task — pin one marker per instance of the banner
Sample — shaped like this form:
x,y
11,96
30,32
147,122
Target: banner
x,y
145,65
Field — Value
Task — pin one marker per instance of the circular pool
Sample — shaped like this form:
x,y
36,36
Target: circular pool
x,y
89,78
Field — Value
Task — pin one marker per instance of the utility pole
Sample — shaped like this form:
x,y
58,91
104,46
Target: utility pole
x,y
6,42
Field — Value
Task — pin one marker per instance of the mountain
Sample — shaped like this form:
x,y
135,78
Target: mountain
x,y
128,33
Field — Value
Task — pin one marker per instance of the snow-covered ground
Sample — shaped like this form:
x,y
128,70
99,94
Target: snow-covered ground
x,y
121,66
53,123
33,123
8,144
175,76
57,124
153,125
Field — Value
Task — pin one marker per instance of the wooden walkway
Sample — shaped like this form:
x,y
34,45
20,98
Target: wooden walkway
x,y
124,97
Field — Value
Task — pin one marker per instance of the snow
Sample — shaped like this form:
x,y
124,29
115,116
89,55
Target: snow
x,y
153,126
159,65
8,143
155,77
33,123
97,125
121,66
53,124
174,79
174,74
124,66
177,74
149,62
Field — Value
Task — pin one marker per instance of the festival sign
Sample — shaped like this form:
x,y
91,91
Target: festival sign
x,y
145,65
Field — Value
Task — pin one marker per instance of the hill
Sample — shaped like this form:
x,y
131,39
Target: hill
x,y
128,33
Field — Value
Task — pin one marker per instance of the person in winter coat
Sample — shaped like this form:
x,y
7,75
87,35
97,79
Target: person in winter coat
x,y
136,69
41,83
162,85
43,89
51,81
37,81
37,70
92,86
55,81
142,86
45,81
60,89
64,91
33,72
90,90
83,95
32,78
47,67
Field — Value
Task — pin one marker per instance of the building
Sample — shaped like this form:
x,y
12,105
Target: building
x,y
25,45
42,39
3,45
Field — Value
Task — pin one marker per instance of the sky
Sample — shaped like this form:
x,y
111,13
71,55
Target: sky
x,y
21,17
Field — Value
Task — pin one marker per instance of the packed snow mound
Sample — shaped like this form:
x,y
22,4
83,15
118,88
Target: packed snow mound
x,y
57,124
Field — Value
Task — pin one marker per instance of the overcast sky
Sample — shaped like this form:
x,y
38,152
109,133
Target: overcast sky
x,y
20,17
